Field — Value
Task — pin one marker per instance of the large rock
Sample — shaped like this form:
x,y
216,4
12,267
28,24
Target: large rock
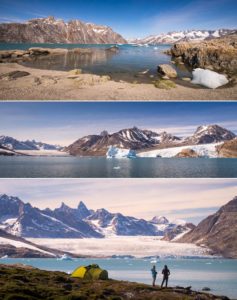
x,y
167,70
228,149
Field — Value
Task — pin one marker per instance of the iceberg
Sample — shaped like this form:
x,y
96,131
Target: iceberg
x,y
208,78
114,152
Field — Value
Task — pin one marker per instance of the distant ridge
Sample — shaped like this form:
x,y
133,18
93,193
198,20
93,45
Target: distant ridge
x,y
183,36
51,30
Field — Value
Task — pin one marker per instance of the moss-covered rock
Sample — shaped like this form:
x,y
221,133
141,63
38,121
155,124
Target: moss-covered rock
x,y
164,84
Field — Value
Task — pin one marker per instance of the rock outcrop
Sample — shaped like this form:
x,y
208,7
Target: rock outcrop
x,y
228,149
218,54
187,153
217,231
51,30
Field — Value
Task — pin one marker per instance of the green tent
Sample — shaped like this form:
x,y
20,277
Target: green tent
x,y
91,272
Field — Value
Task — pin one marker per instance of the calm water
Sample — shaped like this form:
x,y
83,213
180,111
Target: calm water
x,y
20,166
218,274
124,65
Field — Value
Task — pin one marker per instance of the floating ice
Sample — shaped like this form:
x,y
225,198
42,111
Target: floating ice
x,y
114,152
208,78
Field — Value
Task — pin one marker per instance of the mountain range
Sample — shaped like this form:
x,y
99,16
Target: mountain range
x,y
217,231
138,139
51,30
13,144
130,138
21,219
183,36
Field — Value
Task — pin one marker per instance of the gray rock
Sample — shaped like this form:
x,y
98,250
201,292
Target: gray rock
x,y
167,70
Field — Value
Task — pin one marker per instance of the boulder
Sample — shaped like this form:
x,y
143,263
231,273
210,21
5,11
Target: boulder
x,y
167,70
75,72
14,75
113,49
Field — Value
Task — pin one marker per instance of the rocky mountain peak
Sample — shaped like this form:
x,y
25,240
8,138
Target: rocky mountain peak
x,y
159,220
210,134
82,211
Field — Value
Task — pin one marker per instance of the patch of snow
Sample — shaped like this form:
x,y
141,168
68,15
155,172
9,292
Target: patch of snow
x,y
208,78
114,152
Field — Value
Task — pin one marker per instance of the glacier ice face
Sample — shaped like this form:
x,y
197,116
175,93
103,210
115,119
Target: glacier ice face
x,y
208,78
114,152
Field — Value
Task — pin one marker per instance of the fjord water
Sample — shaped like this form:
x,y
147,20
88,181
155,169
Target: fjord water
x,y
101,167
218,274
122,65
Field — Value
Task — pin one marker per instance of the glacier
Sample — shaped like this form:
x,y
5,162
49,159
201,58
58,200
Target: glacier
x,y
114,152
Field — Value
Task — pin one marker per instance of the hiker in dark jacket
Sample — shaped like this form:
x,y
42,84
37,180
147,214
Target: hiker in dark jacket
x,y
166,274
153,273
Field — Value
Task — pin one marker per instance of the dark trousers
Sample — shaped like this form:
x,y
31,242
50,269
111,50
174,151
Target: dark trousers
x,y
165,280
154,280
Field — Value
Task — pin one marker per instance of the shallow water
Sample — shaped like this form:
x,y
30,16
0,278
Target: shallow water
x,y
96,167
218,274
124,65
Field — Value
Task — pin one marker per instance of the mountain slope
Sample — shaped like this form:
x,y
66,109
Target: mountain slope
x,y
50,30
217,231
14,144
131,138
184,36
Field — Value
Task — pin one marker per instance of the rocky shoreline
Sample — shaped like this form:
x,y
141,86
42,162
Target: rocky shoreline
x,y
26,282
218,54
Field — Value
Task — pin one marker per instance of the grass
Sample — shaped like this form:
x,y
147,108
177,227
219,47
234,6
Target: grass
x,y
20,283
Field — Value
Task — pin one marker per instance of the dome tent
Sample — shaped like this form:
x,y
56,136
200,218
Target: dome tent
x,y
91,272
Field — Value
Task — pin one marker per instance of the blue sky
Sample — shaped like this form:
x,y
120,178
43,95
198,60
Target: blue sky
x,y
131,18
189,199
65,122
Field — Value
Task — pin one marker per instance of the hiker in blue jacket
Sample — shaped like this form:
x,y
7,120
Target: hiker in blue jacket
x,y
153,273
166,274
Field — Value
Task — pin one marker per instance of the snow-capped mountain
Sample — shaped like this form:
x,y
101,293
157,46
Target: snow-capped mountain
x,y
51,30
21,219
139,139
210,134
131,138
181,36
13,144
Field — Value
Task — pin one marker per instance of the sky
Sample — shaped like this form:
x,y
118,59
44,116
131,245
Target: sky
x,y
131,18
188,199
64,122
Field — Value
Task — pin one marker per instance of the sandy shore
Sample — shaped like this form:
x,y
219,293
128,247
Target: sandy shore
x,y
60,85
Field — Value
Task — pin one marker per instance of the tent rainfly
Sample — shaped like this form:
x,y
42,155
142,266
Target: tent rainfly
x,y
91,272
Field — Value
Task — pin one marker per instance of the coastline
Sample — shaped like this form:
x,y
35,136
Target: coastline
x,y
61,85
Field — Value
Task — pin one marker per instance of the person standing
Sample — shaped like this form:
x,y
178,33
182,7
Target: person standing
x,y
166,274
154,274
